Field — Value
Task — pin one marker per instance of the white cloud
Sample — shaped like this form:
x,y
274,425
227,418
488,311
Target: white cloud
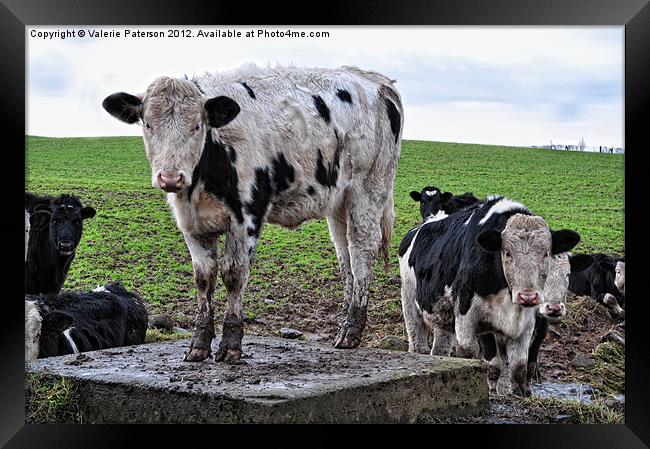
x,y
507,85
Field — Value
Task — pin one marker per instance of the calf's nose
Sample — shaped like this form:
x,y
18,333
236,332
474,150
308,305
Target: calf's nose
x,y
554,310
528,298
170,182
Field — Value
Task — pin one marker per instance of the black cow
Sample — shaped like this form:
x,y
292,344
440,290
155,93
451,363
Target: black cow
x,y
56,225
432,200
481,269
604,281
71,322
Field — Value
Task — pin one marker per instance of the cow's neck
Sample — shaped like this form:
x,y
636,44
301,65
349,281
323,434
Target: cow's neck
x,y
502,316
49,268
217,174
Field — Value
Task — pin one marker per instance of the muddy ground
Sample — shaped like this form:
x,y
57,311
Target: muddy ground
x,y
575,351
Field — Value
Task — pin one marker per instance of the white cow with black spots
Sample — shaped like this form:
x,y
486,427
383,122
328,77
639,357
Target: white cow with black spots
x,y
284,145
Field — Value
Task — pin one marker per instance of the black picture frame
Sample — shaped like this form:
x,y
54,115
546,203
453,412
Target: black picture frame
x,y
634,15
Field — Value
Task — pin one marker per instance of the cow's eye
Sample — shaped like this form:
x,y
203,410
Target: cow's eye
x,y
507,254
147,125
197,127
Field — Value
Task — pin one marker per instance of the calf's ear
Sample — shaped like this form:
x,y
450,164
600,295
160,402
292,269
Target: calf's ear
x,y
445,197
221,111
580,262
32,201
607,265
87,212
40,218
489,240
57,321
124,107
563,240
416,196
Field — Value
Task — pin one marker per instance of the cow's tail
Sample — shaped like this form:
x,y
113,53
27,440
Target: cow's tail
x,y
386,224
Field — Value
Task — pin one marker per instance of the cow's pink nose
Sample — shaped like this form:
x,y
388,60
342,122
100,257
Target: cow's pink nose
x,y
170,182
554,310
528,299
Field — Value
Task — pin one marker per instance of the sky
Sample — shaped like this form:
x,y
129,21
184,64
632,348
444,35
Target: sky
x,y
518,86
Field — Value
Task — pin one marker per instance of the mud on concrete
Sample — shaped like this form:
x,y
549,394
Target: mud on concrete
x,y
276,380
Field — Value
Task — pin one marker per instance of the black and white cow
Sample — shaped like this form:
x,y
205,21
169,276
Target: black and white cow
x,y
481,269
56,226
70,322
235,150
604,281
551,311
432,200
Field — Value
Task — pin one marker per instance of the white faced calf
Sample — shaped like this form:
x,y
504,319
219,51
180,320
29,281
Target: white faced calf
x,y
234,150
551,311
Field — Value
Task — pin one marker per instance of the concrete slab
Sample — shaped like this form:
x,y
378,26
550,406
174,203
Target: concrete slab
x,y
277,381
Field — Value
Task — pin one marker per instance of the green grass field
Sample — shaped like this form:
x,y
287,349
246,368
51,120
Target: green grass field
x,y
134,238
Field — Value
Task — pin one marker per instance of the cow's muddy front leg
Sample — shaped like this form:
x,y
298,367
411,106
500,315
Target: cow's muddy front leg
x,y
518,364
204,263
235,269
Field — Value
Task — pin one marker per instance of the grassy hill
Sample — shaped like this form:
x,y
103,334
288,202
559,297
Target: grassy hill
x,y
134,238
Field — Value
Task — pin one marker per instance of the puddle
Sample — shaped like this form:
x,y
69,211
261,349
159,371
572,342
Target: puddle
x,y
567,391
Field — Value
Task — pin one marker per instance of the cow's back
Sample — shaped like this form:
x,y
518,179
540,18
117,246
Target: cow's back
x,y
446,252
313,132
299,111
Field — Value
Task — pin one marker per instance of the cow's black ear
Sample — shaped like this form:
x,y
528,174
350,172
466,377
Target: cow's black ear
x,y
489,240
221,111
606,265
57,321
42,207
563,240
580,262
40,218
123,106
32,201
87,212
416,196
445,197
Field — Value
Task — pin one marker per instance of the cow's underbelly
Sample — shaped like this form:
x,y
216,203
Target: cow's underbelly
x,y
295,211
291,210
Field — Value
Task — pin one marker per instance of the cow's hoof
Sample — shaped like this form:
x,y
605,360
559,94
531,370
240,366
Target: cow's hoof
x,y
196,355
228,355
468,353
348,338
521,390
